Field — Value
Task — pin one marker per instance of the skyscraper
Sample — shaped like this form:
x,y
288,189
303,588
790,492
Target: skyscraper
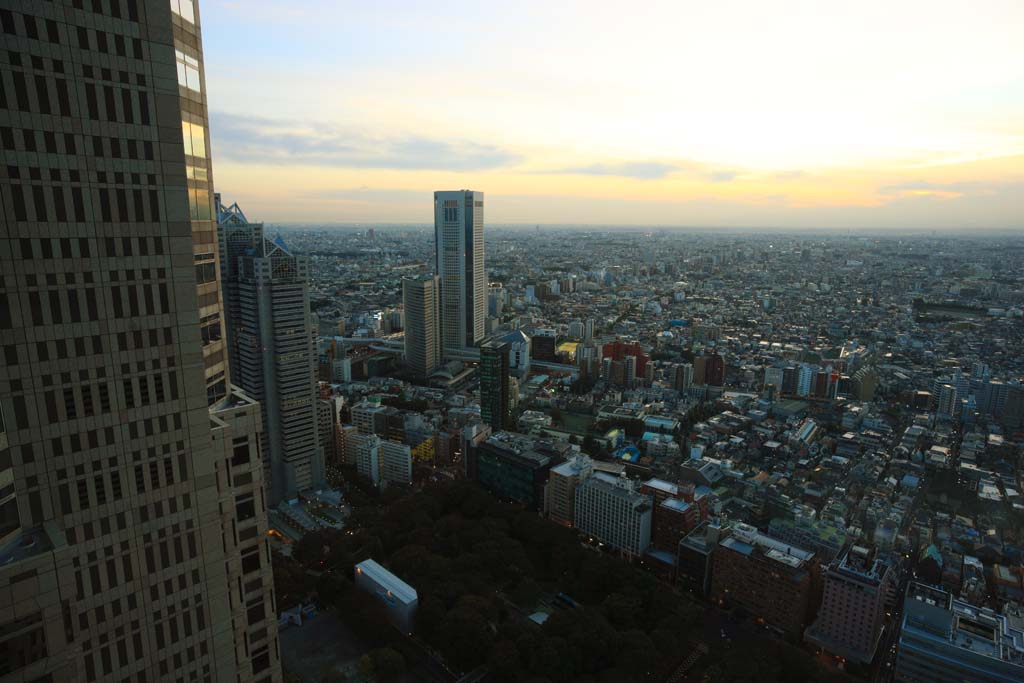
x,y
421,299
494,386
459,241
134,545
273,352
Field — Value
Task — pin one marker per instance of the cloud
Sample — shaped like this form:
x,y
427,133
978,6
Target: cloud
x,y
951,190
643,170
720,176
277,141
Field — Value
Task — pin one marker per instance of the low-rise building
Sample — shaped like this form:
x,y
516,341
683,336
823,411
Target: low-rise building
x,y
399,598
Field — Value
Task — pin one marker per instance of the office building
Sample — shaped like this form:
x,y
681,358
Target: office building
x,y
272,347
613,511
134,544
562,483
510,466
543,346
494,384
852,611
944,640
774,581
421,298
459,243
518,352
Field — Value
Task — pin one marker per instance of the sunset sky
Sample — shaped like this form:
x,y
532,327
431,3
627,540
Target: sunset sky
x,y
898,114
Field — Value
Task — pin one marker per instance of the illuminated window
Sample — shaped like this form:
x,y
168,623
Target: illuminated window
x,y
188,71
194,138
184,9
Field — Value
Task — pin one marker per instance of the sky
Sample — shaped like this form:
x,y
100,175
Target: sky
x,y
739,113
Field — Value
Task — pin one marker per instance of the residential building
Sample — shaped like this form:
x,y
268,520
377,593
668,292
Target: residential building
x,y
459,243
421,298
137,508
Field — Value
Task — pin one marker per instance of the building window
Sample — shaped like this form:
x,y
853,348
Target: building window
x,y
188,71
184,9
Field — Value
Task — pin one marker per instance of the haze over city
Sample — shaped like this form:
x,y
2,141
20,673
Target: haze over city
x,y
712,370
801,114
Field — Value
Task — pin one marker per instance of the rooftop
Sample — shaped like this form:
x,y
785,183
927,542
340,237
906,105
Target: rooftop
x,y
391,583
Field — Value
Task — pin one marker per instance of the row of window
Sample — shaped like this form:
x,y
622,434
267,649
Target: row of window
x,y
45,203
100,147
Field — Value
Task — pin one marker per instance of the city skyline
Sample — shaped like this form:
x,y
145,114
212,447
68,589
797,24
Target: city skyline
x,y
901,117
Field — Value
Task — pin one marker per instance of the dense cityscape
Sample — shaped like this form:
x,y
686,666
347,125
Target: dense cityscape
x,y
235,450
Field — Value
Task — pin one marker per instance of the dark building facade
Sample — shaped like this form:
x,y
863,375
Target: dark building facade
x,y
508,466
495,408
137,548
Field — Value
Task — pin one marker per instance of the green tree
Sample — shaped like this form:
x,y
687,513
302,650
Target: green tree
x,y
388,664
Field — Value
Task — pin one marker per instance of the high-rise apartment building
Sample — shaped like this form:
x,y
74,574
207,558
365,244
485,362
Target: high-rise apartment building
x,y
852,611
494,384
421,298
272,347
134,545
459,240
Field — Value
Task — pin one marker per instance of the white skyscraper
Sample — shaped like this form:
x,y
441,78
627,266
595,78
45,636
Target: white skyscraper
x,y
459,240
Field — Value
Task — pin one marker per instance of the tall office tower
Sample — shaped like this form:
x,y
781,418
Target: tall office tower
x,y
134,545
852,611
459,240
272,348
945,640
494,388
421,298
